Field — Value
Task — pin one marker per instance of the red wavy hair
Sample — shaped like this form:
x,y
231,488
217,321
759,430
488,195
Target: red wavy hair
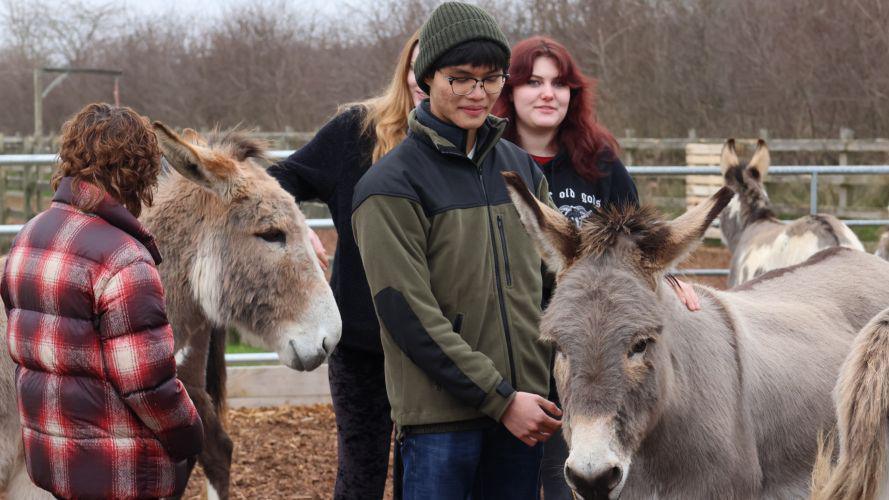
x,y
580,134
114,149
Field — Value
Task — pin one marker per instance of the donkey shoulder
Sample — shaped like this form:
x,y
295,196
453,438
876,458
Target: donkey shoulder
x,y
828,230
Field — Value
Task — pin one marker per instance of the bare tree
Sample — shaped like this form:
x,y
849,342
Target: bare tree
x,y
723,67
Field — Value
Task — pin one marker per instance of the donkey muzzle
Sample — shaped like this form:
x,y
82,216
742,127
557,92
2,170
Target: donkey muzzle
x,y
602,485
307,358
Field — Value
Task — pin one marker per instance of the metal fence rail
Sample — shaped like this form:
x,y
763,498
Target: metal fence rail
x,y
814,171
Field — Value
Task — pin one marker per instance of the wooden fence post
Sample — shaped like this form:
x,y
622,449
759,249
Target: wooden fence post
x,y
846,134
28,148
628,153
38,189
3,211
27,191
2,182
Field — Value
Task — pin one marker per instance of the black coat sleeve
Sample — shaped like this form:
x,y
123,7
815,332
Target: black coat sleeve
x,y
312,172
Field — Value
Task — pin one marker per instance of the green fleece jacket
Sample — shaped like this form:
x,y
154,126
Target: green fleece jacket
x,y
455,279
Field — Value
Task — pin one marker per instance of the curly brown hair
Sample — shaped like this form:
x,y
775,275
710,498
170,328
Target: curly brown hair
x,y
114,149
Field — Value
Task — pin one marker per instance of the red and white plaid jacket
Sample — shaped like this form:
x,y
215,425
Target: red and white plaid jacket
x,y
103,414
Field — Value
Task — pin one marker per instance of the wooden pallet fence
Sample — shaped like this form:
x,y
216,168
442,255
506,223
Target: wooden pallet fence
x,y
700,187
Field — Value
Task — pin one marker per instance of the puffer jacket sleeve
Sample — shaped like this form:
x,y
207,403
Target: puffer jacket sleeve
x,y
137,350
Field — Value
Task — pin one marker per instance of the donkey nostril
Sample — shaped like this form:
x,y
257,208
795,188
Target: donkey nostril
x,y
605,482
616,476
326,346
572,476
599,487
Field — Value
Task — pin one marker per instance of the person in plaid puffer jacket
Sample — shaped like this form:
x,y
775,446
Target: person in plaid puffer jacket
x,y
102,412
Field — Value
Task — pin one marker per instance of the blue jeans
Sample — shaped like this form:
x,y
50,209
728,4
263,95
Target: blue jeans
x,y
486,464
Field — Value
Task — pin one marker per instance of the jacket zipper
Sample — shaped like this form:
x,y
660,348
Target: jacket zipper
x,y
503,316
505,253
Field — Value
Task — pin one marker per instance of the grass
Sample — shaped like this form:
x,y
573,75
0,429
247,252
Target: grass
x,y
234,346
868,233
239,348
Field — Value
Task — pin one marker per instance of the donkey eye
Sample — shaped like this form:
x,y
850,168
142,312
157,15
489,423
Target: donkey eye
x,y
639,347
272,236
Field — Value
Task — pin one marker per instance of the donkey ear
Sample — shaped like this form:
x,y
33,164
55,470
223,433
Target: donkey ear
x,y
670,243
761,159
555,236
728,158
182,156
192,162
191,135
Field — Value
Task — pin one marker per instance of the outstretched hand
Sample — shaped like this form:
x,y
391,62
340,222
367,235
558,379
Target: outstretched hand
x,y
526,419
319,249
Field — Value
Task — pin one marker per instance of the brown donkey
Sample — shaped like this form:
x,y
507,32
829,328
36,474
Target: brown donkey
x,y
236,253
759,242
661,402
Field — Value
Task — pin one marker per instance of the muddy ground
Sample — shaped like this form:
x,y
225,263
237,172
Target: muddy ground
x,y
286,452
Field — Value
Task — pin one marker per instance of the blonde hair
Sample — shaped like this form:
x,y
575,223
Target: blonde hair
x,y
386,114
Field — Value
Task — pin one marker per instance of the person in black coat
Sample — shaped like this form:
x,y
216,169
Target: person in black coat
x,y
327,169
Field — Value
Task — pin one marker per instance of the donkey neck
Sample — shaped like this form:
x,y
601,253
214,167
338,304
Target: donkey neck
x,y
702,418
755,204
730,224
751,205
698,344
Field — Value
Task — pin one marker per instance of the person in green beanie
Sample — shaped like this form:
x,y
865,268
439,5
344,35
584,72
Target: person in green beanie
x,y
455,280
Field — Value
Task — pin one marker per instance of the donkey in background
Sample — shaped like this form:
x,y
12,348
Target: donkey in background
x,y
661,402
759,242
236,253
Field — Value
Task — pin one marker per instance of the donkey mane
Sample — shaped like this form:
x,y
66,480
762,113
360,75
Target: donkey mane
x,y
602,229
660,243
828,229
240,142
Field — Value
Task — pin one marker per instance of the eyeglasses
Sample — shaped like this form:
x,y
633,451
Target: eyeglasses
x,y
464,85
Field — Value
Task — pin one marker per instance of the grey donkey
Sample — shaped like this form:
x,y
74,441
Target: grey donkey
x,y
661,402
759,242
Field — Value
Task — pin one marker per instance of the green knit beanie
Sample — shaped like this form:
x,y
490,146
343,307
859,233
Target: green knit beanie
x,y
449,25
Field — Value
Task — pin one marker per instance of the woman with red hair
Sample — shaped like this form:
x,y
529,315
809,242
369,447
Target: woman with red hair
x,y
550,105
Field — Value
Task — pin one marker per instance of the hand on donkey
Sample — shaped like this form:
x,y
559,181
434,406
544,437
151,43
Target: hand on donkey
x,y
319,249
